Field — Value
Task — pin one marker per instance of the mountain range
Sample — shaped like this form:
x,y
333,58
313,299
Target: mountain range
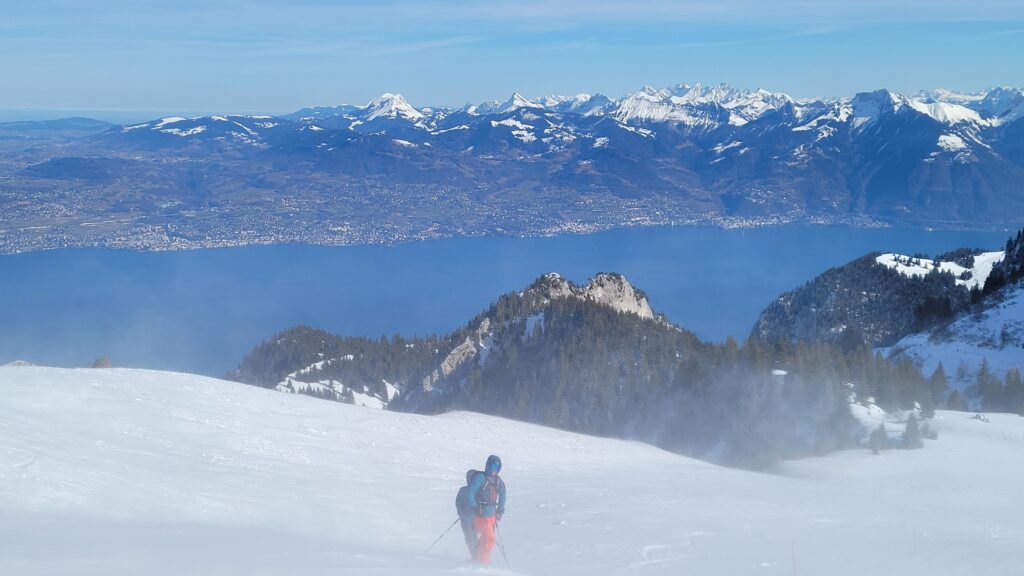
x,y
389,171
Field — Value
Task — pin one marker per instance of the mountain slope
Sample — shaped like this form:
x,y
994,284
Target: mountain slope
x,y
119,472
596,359
878,298
963,311
992,332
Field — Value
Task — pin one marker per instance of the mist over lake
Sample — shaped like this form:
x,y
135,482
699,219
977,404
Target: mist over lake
x,y
202,311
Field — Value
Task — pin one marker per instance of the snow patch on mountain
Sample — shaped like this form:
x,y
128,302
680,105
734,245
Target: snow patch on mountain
x,y
520,130
168,120
994,334
297,383
946,113
452,129
970,277
952,143
187,132
719,148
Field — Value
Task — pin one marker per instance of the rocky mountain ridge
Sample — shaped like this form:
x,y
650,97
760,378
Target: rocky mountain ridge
x,y
596,359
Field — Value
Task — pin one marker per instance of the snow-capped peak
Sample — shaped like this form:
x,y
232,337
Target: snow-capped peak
x,y
949,96
696,105
391,106
867,107
1004,104
515,102
650,105
555,100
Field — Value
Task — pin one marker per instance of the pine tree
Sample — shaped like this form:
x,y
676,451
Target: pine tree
x,y
937,385
988,388
879,439
912,434
956,402
961,372
1014,391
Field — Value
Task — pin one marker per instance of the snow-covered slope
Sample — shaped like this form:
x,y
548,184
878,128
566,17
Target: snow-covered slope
x,y
112,472
973,277
333,389
995,334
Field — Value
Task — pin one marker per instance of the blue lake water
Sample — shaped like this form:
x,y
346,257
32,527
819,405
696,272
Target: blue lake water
x,y
202,311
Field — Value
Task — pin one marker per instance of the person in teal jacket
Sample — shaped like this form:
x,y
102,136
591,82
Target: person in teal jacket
x,y
467,513
487,493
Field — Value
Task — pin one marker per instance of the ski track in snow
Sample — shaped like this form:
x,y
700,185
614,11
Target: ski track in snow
x,y
140,472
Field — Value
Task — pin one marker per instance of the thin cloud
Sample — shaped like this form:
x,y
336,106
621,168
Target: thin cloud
x,y
427,45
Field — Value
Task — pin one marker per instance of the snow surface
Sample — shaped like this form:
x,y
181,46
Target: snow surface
x,y
946,112
109,472
168,120
952,143
909,266
189,132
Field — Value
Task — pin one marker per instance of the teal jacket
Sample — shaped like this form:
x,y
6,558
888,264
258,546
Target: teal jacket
x,y
487,494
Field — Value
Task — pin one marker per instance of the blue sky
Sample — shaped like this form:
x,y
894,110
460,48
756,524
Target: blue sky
x,y
192,56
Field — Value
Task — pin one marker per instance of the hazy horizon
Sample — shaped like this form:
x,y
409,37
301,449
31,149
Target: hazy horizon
x,y
268,56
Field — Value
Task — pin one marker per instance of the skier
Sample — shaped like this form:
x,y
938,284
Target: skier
x,y
466,509
487,492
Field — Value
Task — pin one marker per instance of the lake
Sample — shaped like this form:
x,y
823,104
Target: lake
x,y
202,311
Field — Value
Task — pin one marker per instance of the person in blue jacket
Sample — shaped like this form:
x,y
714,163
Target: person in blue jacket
x,y
467,513
487,491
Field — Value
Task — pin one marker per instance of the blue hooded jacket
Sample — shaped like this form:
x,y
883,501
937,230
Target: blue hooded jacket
x,y
487,489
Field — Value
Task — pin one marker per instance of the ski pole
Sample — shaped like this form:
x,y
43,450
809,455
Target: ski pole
x,y
442,535
500,545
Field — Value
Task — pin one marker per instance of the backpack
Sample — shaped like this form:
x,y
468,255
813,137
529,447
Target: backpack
x,y
488,494
464,504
